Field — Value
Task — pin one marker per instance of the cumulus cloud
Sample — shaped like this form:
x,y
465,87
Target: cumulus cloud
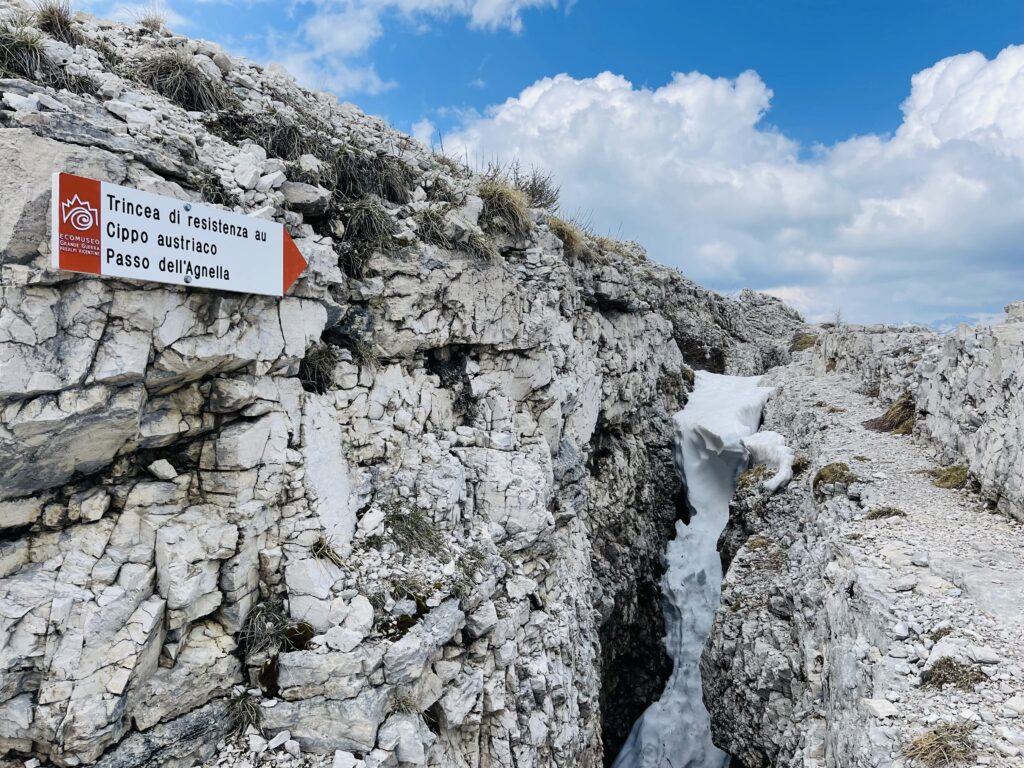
x,y
330,47
923,223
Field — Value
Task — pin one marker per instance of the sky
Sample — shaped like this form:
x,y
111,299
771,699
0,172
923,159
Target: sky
x,y
866,158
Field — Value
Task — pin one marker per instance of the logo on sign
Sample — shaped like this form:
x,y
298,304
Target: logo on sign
x,y
79,214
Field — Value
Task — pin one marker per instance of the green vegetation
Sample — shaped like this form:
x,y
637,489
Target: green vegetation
x,y
881,513
802,341
21,48
949,671
944,745
316,371
54,18
175,76
898,419
412,530
953,477
505,209
837,472
431,225
245,710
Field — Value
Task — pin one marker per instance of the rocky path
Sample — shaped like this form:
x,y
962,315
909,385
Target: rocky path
x,y
948,572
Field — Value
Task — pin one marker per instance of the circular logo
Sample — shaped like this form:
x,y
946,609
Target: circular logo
x,y
79,214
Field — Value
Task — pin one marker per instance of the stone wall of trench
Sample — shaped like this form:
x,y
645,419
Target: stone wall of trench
x,y
418,504
968,388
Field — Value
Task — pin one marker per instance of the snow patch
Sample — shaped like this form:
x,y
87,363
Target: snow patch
x,y
714,441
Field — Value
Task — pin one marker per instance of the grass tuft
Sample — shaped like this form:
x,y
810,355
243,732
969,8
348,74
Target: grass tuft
x,y
265,630
537,186
752,477
316,371
175,76
322,549
245,710
802,341
881,513
944,745
837,472
431,225
152,18
898,419
21,48
413,530
506,209
369,226
54,18
800,465
481,246
949,671
572,238
954,477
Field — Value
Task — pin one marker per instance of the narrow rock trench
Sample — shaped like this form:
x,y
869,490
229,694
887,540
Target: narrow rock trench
x,y
714,439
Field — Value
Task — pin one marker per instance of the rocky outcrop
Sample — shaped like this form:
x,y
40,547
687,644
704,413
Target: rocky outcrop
x,y
846,590
415,508
967,387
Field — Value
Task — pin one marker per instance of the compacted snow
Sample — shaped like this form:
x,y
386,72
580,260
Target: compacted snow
x,y
714,442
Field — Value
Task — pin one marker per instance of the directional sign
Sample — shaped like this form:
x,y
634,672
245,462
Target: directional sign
x,y
109,230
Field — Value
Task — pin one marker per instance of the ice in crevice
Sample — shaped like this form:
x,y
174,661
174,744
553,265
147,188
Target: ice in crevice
x,y
715,439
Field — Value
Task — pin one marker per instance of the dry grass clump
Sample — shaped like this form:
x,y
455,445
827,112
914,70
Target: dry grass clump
x,y
54,18
506,209
413,530
538,186
950,477
21,47
944,745
571,236
316,371
752,477
369,225
800,464
175,76
949,671
431,225
152,17
244,711
265,630
898,419
802,341
322,549
881,513
481,246
938,634
836,472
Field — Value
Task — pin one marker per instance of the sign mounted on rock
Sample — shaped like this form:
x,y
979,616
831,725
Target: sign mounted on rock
x,y
105,229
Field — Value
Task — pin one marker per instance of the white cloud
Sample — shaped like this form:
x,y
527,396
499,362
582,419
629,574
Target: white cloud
x,y
923,223
325,50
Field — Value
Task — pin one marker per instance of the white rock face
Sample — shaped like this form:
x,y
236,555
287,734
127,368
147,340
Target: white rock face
x,y
967,387
418,504
846,591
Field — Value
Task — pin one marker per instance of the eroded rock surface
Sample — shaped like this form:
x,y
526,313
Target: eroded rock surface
x,y
416,508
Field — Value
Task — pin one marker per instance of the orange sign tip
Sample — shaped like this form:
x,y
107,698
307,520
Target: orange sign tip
x,y
294,263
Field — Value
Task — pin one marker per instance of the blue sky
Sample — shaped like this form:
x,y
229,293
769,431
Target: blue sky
x,y
866,161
